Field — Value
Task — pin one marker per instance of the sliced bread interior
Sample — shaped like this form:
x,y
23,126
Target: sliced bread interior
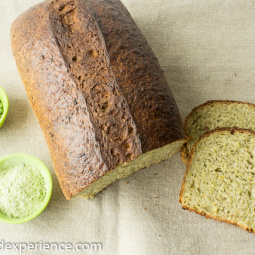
x,y
220,177
216,114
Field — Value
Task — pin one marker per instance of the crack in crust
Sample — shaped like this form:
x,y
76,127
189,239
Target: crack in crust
x,y
139,76
89,66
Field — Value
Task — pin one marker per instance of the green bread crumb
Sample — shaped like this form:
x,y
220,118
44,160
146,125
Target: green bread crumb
x,y
22,190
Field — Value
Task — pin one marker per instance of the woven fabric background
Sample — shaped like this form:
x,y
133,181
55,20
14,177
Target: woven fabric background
x,y
207,51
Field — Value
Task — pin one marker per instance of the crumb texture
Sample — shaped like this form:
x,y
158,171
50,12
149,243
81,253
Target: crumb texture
x,y
221,176
124,170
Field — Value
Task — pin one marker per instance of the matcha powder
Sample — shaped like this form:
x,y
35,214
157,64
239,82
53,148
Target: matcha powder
x,y
22,190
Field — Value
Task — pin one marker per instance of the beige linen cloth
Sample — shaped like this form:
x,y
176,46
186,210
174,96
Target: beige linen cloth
x,y
207,51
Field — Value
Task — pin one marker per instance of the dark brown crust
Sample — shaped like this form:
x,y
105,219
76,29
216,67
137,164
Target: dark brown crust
x,y
208,133
139,76
83,49
84,142
184,150
66,125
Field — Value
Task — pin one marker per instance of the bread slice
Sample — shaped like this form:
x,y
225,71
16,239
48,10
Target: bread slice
x,y
97,90
216,114
219,182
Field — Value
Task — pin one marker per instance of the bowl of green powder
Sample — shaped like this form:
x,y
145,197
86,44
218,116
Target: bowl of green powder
x,y
25,188
4,106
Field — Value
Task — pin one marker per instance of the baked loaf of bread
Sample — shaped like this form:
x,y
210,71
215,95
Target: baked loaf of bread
x,y
220,177
215,114
97,91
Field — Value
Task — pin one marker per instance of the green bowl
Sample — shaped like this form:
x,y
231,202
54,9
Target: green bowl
x,y
14,159
5,102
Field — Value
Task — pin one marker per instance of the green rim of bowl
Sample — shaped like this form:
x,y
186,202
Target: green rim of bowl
x,y
19,158
5,102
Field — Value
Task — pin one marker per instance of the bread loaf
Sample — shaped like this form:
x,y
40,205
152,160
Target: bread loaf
x,y
97,90
215,114
220,177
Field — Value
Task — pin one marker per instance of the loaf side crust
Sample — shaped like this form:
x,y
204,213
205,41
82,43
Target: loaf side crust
x,y
83,48
57,103
139,76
